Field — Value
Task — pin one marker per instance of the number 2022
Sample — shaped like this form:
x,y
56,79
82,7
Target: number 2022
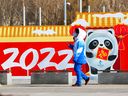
x,y
43,64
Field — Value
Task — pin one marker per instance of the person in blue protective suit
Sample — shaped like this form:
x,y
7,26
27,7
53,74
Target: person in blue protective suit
x,y
79,35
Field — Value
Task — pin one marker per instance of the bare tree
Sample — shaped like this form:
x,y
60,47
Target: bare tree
x,y
11,11
111,5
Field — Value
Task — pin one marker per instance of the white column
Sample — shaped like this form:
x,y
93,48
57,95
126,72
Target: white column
x,y
103,8
80,5
65,12
89,9
24,21
39,16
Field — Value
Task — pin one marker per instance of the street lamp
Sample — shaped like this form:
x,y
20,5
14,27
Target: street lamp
x,y
65,11
24,18
80,2
69,8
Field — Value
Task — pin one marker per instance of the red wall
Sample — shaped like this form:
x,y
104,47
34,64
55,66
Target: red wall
x,y
22,53
58,47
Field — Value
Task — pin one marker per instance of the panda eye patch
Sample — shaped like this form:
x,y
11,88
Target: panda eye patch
x,y
108,44
93,44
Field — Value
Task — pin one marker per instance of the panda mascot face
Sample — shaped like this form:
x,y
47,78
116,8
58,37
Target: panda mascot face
x,y
101,48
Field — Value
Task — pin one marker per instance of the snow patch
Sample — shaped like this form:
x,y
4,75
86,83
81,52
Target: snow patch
x,y
125,21
44,32
116,15
81,22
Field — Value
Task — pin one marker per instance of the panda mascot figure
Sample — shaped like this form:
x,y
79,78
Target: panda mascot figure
x,y
101,49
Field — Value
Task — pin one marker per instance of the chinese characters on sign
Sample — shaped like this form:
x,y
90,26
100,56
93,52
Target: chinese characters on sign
x,y
102,54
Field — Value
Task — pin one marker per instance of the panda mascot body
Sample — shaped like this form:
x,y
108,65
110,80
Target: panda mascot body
x,y
101,49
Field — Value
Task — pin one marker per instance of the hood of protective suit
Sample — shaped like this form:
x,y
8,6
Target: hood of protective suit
x,y
82,34
78,31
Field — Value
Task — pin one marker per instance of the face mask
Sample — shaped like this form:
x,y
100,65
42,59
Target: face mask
x,y
75,34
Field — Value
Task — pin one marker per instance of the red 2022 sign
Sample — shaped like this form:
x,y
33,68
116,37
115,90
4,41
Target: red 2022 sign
x,y
23,57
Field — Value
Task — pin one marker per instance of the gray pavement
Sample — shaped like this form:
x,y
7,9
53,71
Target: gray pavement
x,y
63,90
22,87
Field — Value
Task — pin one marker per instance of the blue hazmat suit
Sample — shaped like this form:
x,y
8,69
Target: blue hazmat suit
x,y
79,55
79,59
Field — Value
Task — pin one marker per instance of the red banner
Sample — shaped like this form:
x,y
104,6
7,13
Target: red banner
x,y
22,58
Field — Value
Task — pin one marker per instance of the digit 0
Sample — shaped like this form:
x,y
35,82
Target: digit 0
x,y
34,60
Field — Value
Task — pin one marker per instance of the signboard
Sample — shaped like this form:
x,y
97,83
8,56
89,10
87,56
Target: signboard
x,y
22,57
32,48
27,48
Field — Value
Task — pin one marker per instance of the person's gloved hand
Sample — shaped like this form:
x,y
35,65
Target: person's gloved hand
x,y
70,46
74,61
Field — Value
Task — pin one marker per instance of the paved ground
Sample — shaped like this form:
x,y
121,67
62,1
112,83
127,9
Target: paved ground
x,y
63,90
22,87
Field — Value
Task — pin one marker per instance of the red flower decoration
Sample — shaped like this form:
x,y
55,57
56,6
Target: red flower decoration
x,y
121,31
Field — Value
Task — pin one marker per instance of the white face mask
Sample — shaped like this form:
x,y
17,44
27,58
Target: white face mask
x,y
75,34
74,38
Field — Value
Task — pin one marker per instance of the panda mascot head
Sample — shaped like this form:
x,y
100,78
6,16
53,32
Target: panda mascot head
x,y
101,48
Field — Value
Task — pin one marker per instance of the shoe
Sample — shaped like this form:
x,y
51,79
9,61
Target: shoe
x,y
76,85
86,81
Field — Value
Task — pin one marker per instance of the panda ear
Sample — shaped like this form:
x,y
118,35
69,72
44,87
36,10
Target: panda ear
x,y
89,32
111,31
